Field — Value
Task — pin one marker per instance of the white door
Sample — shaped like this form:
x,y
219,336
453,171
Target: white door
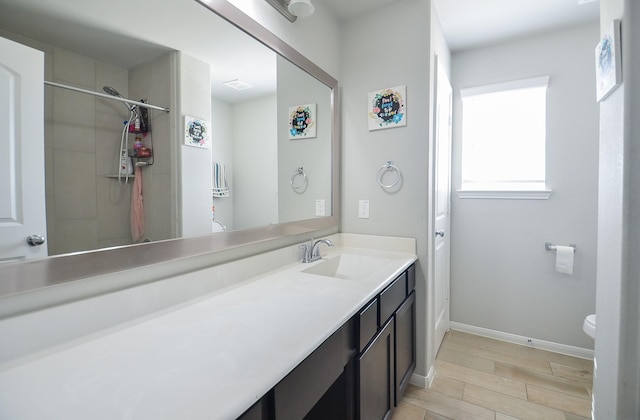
x,y
22,195
442,195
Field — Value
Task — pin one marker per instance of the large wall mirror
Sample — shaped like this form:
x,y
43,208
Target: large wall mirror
x,y
260,181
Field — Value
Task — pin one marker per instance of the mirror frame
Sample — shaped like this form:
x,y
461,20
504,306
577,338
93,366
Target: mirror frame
x,y
180,255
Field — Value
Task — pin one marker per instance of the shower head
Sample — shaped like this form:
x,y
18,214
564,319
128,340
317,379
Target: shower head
x,y
111,91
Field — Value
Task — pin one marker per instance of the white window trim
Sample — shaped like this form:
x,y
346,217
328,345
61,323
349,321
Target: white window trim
x,y
505,194
542,81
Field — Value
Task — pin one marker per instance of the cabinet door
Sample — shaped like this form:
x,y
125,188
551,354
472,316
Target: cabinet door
x,y
376,376
305,385
405,340
259,411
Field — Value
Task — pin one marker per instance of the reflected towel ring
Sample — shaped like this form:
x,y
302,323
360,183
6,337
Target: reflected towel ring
x,y
388,167
301,186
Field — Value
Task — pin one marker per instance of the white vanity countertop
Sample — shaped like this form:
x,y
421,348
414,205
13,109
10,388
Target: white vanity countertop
x,y
209,359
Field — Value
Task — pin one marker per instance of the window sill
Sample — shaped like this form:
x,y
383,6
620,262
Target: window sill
x,y
505,194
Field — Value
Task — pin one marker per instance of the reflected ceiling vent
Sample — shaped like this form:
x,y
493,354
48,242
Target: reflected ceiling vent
x,y
293,9
237,84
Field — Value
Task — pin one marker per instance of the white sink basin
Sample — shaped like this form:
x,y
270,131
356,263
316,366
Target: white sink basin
x,y
347,266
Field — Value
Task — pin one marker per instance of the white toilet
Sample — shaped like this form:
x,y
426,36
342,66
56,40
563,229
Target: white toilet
x,y
589,326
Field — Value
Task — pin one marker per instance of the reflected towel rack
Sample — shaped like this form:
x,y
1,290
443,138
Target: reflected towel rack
x,y
388,167
550,247
300,187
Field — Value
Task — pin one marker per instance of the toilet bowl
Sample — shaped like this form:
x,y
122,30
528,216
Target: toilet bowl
x,y
589,326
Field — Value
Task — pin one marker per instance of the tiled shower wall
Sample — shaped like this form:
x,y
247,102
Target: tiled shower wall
x,y
85,208
154,81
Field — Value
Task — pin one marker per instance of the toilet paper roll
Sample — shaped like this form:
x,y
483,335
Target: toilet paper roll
x,y
564,259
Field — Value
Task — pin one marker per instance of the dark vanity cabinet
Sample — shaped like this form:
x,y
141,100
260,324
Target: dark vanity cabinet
x,y
321,387
360,372
260,410
386,358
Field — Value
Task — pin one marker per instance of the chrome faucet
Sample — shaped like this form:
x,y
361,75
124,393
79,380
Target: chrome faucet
x,y
312,251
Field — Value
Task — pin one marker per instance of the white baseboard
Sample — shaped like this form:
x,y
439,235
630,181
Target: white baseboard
x,y
517,339
419,380
423,381
431,375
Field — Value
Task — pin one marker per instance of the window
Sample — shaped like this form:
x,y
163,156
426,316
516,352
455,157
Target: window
x,y
503,139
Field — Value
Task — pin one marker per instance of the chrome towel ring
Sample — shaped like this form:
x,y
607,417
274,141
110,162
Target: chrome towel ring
x,y
300,186
389,167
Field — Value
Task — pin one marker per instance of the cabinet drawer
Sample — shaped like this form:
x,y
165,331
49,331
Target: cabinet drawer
x,y
392,297
367,324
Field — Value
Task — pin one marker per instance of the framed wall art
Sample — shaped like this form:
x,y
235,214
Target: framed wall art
x,y
608,63
302,121
387,108
196,132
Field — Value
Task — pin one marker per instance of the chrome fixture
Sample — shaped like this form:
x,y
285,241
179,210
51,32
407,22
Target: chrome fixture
x,y
113,92
550,247
311,251
292,9
107,95
301,8
301,186
35,240
388,167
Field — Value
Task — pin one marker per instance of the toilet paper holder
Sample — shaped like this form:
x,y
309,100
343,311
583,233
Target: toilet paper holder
x,y
550,247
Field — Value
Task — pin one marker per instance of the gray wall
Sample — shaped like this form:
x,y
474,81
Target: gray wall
x,y
502,278
317,37
370,63
194,100
313,154
617,348
245,140
255,165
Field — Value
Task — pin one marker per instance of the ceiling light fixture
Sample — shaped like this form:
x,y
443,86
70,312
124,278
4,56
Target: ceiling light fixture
x,y
292,9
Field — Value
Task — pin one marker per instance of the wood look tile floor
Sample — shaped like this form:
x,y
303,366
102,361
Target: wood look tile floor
x,y
481,378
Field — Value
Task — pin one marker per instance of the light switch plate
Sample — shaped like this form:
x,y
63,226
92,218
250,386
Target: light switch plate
x,y
363,209
320,208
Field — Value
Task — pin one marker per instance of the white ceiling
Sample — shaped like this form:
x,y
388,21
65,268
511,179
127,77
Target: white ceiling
x,y
472,23
347,9
118,31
